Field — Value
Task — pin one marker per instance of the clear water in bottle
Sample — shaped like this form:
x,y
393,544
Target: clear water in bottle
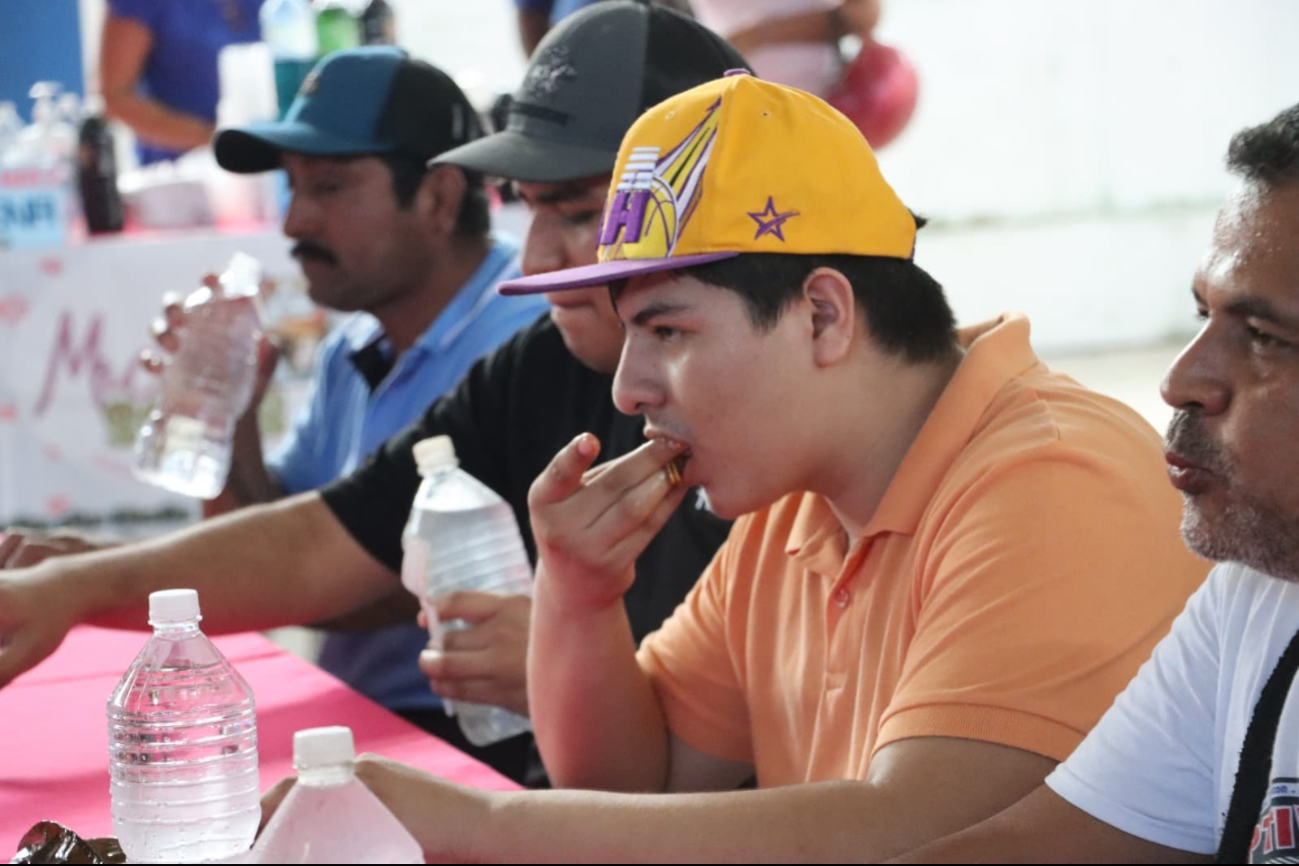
x,y
330,816
463,536
186,443
182,745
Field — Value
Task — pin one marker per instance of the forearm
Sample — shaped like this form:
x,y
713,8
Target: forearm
x,y
827,822
816,26
282,564
533,27
156,123
249,482
597,720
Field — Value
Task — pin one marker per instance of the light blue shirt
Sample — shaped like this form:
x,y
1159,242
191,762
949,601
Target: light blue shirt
x,y
346,420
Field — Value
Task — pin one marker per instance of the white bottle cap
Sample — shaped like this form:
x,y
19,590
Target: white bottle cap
x,y
323,747
435,453
173,605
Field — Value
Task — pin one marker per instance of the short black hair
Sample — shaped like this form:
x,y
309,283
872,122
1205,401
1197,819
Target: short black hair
x,y
905,307
474,219
1268,153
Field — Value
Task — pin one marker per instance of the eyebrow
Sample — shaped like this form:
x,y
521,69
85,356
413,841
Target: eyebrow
x,y
655,309
1253,307
566,193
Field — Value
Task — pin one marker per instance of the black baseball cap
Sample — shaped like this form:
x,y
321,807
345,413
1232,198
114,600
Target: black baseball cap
x,y
358,102
590,78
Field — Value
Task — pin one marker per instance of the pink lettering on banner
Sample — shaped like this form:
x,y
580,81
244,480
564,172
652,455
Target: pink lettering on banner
x,y
70,359
52,266
13,309
57,506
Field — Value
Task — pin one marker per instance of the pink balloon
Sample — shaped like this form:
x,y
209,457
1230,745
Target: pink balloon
x,y
878,93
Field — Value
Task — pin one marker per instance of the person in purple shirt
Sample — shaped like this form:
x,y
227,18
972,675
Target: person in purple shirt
x,y
158,67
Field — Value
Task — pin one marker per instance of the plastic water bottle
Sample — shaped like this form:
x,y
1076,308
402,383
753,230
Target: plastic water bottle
x,y
330,816
182,745
462,536
289,28
186,443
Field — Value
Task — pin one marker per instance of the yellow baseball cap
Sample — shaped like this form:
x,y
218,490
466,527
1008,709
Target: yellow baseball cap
x,y
739,165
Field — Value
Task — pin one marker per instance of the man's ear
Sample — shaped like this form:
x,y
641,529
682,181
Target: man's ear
x,y
834,315
440,196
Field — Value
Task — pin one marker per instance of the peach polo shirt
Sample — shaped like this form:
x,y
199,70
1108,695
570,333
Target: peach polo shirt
x,y
1020,567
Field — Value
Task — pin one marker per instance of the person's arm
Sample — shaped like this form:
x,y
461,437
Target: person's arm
x,y
596,716
534,24
917,791
283,564
124,50
250,482
851,17
1046,828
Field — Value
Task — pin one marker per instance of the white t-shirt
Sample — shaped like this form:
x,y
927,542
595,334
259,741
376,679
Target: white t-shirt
x,y
809,66
1161,764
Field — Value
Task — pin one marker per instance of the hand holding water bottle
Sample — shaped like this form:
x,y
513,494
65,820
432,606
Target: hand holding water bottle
x,y
487,662
167,331
207,385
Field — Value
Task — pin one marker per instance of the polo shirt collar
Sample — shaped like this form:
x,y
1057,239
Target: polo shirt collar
x,y
365,336
996,352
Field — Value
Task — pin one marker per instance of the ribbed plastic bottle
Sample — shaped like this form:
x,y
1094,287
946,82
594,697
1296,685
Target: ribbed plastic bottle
x,y
182,745
330,816
463,536
187,441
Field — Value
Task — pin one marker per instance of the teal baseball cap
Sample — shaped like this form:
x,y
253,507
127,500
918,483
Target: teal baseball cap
x,y
358,102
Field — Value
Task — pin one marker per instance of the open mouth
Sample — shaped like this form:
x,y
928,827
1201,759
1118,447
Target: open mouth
x,y
676,469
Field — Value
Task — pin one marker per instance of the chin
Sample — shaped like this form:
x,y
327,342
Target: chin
x,y
593,353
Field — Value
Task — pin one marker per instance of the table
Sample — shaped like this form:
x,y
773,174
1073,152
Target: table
x,y
54,740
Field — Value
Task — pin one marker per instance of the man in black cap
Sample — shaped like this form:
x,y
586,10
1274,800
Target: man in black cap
x,y
321,555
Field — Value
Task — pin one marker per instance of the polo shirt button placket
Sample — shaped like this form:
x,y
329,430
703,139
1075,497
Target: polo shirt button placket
x,y
842,597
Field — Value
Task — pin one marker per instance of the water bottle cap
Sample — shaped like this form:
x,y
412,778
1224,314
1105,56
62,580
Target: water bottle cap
x,y
323,747
435,453
173,605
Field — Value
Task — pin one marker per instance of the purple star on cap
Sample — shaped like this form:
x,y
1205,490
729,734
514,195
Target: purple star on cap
x,y
771,221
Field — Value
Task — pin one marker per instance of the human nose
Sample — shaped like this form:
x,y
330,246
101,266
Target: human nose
x,y
543,251
634,387
299,220
1197,379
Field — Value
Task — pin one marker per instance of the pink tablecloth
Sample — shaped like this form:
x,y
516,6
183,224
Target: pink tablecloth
x,y
54,742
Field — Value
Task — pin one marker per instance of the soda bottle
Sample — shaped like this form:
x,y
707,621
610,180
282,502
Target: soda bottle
x,y
378,24
101,203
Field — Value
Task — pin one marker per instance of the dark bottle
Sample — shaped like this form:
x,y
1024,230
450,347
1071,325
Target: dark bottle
x,y
378,25
97,176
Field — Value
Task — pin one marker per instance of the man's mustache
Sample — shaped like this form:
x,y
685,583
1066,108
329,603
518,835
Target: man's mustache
x,y
1187,438
313,250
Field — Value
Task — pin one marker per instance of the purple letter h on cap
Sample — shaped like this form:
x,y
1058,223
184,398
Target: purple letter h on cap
x,y
628,213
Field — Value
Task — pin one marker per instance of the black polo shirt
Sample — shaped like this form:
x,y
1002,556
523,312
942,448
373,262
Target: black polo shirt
x,y
508,417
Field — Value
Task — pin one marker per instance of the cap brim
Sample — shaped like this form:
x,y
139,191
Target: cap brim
x,y
258,146
515,156
604,273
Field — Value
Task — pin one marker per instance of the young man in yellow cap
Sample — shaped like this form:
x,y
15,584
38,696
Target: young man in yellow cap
x,y
953,559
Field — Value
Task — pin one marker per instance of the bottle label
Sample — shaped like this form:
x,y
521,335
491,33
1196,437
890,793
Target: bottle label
x,y
33,207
